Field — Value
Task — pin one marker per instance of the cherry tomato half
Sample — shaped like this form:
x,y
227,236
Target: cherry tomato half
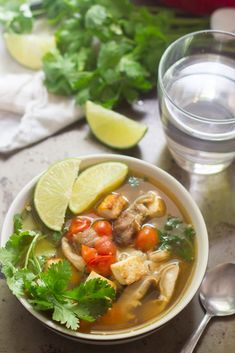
x,y
103,228
88,253
78,225
101,264
147,239
105,246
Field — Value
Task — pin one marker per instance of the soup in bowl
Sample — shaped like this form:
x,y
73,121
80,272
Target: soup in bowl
x,y
121,256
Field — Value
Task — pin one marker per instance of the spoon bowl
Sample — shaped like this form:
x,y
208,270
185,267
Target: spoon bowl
x,y
217,291
217,295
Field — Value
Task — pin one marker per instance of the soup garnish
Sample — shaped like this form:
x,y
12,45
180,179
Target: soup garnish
x,y
123,260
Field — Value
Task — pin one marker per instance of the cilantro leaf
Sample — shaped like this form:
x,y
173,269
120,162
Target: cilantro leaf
x,y
59,72
178,238
16,282
57,10
94,297
96,16
16,246
66,315
93,289
135,181
56,278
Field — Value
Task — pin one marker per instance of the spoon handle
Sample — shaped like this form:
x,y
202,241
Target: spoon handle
x,y
191,344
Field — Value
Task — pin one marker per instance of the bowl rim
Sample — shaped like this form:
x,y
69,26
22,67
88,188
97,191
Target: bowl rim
x,y
191,289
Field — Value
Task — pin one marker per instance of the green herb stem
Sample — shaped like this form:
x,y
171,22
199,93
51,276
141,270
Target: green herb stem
x,y
30,249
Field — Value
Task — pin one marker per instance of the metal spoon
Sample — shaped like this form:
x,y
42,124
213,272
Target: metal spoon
x,y
217,295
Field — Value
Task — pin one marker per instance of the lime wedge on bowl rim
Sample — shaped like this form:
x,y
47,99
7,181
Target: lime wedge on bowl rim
x,y
95,181
29,49
53,192
113,129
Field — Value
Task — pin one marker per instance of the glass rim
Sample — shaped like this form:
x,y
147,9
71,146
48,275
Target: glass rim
x,y
160,76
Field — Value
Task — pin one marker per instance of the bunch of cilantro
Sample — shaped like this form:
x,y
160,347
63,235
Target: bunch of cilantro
x,y
48,290
107,51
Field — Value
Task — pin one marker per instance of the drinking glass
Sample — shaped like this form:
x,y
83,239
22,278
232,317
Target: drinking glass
x,y
196,91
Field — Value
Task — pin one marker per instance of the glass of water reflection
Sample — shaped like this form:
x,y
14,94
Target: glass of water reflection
x,y
196,91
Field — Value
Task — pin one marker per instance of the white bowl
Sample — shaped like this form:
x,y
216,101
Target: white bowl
x,y
182,195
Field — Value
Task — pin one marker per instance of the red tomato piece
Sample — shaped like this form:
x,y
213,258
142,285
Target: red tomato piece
x,y
101,264
105,246
103,228
88,253
78,225
147,239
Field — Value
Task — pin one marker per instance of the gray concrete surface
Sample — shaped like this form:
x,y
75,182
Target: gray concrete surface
x,y
215,195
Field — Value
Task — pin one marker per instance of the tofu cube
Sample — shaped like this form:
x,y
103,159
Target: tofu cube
x,y
112,206
93,275
129,270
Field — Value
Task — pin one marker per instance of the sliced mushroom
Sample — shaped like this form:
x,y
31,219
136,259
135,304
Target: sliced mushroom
x,y
164,282
130,221
169,275
75,259
131,297
154,203
159,255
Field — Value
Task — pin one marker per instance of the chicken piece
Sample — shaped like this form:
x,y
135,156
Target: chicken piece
x,y
130,221
75,259
112,206
129,270
93,275
87,237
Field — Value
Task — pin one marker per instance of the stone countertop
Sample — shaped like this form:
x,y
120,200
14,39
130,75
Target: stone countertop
x,y
215,195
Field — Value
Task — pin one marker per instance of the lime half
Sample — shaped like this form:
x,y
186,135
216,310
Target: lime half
x,y
113,129
53,192
29,49
94,182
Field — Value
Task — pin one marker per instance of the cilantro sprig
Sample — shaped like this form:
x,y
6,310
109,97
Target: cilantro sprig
x,y
49,290
107,51
88,301
178,238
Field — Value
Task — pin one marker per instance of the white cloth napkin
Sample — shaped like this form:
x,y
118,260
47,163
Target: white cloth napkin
x,y
28,113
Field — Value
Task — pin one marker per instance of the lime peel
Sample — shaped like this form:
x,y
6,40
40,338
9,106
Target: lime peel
x,y
112,128
53,192
95,181
29,49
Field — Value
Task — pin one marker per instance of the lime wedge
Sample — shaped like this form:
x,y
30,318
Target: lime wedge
x,y
29,49
113,129
53,192
94,182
